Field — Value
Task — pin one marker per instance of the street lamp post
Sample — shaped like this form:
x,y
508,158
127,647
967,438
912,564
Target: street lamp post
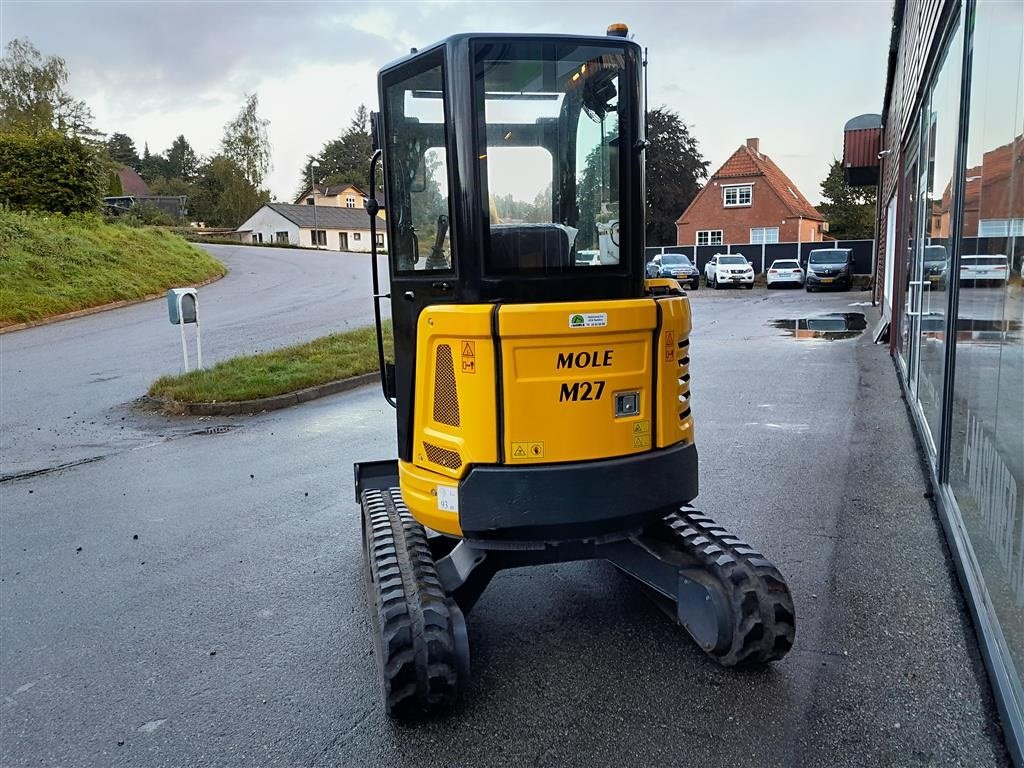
x,y
312,179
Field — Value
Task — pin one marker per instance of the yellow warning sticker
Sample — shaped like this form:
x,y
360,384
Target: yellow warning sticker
x,y
641,441
527,451
468,356
642,428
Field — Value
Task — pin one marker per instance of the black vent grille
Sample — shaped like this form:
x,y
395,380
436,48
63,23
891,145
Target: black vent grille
x,y
442,456
446,395
684,379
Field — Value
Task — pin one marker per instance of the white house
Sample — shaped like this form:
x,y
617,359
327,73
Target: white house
x,y
336,228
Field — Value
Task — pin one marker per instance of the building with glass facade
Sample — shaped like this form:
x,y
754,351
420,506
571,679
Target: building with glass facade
x,y
950,174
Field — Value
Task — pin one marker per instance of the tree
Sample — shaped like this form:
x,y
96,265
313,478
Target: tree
x,y
182,161
590,191
246,142
114,187
153,167
32,95
850,211
122,150
675,170
173,187
223,196
344,160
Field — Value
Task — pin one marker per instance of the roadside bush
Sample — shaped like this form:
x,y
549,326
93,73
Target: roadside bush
x,y
145,215
51,172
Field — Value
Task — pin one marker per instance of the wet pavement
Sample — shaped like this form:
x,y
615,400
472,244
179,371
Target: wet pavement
x,y
827,326
195,598
62,385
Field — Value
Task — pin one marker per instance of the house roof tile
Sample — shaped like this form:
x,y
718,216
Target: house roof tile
x,y
747,163
131,183
327,216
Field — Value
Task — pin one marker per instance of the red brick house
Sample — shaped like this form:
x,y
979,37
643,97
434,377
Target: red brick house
x,y
749,200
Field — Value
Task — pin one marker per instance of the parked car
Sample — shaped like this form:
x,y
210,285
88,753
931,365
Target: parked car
x,y
993,269
677,266
727,269
588,258
785,272
936,266
829,268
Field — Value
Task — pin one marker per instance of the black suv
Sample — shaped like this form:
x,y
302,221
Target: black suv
x,y
674,265
829,268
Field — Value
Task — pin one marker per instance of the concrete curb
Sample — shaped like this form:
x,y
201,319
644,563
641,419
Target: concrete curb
x,y
264,403
96,310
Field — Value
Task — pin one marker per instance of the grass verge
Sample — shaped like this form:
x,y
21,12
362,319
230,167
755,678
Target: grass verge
x,y
52,264
330,358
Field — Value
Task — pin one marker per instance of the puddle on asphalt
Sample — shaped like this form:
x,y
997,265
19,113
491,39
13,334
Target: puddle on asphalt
x,y
830,326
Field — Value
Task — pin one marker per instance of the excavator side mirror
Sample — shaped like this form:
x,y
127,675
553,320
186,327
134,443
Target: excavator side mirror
x,y
375,130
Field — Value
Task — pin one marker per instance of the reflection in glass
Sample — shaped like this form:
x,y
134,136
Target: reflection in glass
x,y
941,122
987,428
907,246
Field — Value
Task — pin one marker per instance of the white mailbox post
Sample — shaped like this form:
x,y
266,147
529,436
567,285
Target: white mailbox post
x,y
182,309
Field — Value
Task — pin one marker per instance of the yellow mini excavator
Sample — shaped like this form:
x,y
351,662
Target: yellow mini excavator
x,y
541,383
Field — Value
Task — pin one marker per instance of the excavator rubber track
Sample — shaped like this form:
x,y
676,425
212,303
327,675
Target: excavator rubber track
x,y
419,633
757,596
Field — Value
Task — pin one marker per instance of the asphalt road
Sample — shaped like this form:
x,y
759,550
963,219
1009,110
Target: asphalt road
x,y
233,630
62,385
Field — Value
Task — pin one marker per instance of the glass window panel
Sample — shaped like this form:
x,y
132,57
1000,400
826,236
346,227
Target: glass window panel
x,y
987,428
418,174
941,126
551,154
906,244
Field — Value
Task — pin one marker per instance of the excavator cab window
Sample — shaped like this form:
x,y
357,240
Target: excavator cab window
x,y
548,154
418,173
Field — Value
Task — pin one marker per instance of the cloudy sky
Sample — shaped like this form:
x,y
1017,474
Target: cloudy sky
x,y
790,73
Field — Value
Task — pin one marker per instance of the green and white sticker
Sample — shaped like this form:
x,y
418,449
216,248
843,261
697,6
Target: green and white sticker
x,y
588,319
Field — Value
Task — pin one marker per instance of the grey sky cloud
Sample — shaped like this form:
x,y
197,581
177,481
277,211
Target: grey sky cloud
x,y
788,72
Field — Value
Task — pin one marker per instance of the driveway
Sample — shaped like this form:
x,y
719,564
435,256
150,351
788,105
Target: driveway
x,y
62,386
233,630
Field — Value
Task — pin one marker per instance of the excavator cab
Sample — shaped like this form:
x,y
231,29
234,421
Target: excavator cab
x,y
541,383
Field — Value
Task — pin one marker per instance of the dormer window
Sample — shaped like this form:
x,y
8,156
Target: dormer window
x,y
736,195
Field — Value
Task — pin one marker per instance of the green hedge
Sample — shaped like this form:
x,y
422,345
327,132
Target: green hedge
x,y
51,172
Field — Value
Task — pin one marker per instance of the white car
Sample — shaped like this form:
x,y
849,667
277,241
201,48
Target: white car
x,y
985,269
727,269
785,272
